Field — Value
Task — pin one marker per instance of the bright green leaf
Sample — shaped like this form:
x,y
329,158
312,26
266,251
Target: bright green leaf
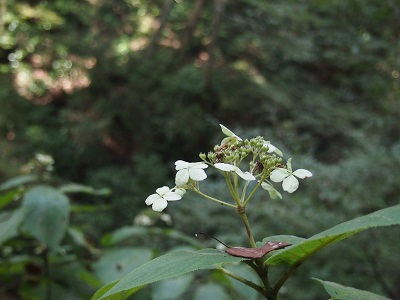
x,y
301,251
46,214
9,197
341,292
171,265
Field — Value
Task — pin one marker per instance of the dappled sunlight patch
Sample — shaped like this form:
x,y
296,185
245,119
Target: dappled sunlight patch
x,y
35,83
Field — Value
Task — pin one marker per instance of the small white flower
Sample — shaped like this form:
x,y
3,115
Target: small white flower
x,y
273,193
188,170
159,200
272,148
289,181
231,168
230,135
44,159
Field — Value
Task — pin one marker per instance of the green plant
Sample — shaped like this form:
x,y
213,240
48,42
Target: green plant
x,y
39,248
265,166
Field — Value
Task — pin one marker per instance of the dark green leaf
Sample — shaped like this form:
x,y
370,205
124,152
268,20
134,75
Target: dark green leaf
x,y
80,188
303,249
170,265
120,296
46,214
116,263
341,292
9,228
172,288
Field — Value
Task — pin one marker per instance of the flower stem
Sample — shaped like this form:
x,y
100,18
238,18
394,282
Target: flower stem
x,y
242,212
232,189
214,199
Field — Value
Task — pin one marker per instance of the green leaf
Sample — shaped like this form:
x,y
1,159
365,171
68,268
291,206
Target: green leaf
x,y
9,197
17,182
116,263
9,228
211,291
301,250
120,296
341,292
281,238
170,265
172,288
46,214
80,188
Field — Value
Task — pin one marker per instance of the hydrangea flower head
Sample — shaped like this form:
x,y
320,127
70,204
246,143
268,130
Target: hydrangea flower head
x,y
186,170
159,200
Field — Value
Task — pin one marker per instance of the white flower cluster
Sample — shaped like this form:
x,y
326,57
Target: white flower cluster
x,y
194,172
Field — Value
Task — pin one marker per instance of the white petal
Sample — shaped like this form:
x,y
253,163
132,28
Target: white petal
x,y
271,148
245,175
273,193
198,165
290,184
182,177
237,137
162,190
225,167
226,131
180,191
150,199
279,174
225,140
181,164
159,205
172,196
197,174
302,173
289,165
279,152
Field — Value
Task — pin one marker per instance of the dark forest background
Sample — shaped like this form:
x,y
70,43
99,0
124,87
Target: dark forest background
x,y
117,91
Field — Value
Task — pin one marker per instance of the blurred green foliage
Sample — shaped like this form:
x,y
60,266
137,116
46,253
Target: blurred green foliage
x,y
116,91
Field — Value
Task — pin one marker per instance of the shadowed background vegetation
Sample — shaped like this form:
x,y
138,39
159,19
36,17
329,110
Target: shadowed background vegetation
x,y
117,91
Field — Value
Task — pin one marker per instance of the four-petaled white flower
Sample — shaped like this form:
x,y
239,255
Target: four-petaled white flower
x,y
188,170
160,199
289,181
230,135
231,168
272,148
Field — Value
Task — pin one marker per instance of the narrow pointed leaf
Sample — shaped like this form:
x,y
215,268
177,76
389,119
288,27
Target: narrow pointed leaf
x,y
299,252
168,266
341,292
121,296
